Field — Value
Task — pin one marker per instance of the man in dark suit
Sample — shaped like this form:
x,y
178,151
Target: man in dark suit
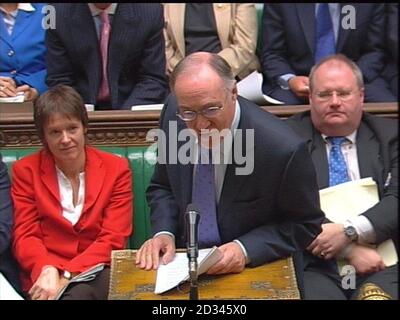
x,y
8,265
290,45
135,68
264,212
369,149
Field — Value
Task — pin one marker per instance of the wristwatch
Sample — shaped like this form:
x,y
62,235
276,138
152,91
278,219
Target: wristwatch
x,y
67,275
350,231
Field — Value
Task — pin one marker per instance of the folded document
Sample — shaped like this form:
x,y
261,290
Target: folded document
x,y
87,275
172,274
348,200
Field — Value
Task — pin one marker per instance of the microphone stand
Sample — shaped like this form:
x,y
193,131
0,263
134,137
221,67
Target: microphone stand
x,y
193,275
193,218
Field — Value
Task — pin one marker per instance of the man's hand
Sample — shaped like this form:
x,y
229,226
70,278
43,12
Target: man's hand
x,y
232,261
330,241
29,92
8,87
365,260
300,86
47,285
148,256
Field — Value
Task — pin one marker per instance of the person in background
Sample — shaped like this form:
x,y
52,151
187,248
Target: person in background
x,y
112,54
229,29
22,50
72,203
257,213
297,35
8,266
348,144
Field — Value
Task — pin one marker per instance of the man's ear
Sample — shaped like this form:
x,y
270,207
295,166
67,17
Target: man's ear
x,y
235,91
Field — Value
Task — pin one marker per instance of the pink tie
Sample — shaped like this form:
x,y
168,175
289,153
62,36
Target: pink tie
x,y
104,92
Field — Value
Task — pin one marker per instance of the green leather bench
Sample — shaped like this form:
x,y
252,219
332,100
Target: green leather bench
x,y
141,161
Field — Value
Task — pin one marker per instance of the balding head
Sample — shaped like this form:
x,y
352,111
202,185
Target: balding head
x,y
194,63
333,61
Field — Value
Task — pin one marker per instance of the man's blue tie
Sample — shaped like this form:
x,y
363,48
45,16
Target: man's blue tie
x,y
337,166
204,197
324,36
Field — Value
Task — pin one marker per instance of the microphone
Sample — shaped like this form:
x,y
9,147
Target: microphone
x,y
192,222
192,218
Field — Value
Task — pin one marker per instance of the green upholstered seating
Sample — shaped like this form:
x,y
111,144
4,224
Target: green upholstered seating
x,y
141,159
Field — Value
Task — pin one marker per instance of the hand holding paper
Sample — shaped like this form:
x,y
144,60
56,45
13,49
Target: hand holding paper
x,y
348,200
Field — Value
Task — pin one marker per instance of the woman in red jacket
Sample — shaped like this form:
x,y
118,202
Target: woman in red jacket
x,y
73,203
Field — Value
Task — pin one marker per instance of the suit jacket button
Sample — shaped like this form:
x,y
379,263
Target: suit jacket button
x,y
10,53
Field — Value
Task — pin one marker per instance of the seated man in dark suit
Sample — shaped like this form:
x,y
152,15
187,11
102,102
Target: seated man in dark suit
x,y
8,265
367,146
298,35
112,54
257,210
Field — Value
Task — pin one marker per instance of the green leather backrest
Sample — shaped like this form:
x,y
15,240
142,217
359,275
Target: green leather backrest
x,y
141,160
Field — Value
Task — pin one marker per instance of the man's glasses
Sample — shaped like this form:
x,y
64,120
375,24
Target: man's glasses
x,y
341,94
190,115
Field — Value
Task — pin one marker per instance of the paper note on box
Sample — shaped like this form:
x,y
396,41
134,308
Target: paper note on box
x,y
348,200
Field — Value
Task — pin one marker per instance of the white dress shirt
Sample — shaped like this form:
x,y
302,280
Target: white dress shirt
x,y
69,211
364,228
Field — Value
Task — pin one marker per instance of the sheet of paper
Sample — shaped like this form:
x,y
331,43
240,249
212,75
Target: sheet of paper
x,y
20,97
7,292
348,200
147,107
250,88
177,271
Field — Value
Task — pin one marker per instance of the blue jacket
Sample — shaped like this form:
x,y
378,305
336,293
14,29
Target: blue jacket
x,y
22,54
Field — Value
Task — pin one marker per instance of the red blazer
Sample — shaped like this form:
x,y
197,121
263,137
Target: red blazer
x,y
42,236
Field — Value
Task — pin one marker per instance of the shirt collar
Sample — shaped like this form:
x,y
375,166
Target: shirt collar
x,y
96,11
351,137
236,117
26,7
21,6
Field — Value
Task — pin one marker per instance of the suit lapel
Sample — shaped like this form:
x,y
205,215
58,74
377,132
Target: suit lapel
x,y
83,35
369,161
222,13
306,15
49,175
185,171
318,154
125,25
3,33
233,182
22,22
94,178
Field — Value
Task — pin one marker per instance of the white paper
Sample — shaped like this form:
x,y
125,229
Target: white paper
x,y
20,97
7,292
147,107
171,274
348,200
87,275
250,88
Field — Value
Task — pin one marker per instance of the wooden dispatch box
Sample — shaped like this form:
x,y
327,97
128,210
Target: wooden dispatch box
x,y
272,281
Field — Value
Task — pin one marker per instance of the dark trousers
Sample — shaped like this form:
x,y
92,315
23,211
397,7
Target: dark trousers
x,y
323,284
97,289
